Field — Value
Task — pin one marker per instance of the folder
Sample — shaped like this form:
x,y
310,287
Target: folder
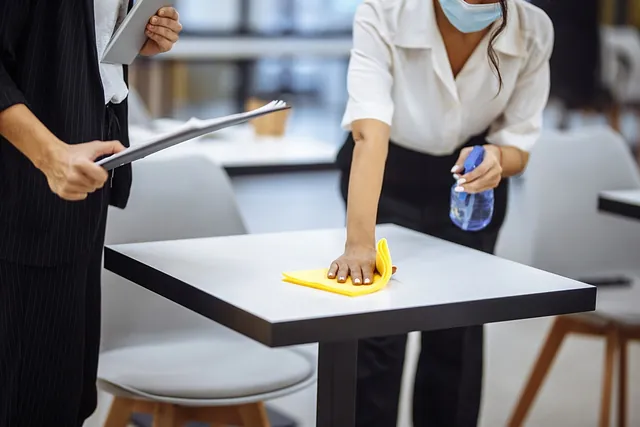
x,y
128,39
190,130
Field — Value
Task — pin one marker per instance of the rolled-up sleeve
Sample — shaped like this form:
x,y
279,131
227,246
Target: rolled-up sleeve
x,y
369,78
13,16
521,123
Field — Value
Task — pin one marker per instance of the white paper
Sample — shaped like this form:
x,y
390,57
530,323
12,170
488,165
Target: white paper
x,y
191,129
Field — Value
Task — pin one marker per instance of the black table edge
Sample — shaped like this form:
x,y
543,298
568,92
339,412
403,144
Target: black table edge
x,y
618,208
186,295
233,171
344,328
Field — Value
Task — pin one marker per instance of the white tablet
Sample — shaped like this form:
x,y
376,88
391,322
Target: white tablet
x,y
190,130
125,45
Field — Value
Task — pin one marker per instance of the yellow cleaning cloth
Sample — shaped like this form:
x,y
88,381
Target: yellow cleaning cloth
x,y
318,278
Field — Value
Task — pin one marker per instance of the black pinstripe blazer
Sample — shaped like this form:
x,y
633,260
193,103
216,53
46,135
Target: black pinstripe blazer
x,y
48,61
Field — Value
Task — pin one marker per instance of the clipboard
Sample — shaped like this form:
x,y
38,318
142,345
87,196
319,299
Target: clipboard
x,y
190,130
126,42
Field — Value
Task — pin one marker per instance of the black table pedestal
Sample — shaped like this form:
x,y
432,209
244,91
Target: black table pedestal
x,y
337,370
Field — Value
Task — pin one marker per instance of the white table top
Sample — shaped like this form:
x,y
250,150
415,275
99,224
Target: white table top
x,y
621,202
630,197
225,48
242,149
236,281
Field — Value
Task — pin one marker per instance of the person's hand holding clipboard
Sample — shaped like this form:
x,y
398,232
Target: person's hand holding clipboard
x,y
194,128
151,27
162,32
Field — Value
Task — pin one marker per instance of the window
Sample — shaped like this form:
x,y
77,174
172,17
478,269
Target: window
x,y
207,16
315,85
267,17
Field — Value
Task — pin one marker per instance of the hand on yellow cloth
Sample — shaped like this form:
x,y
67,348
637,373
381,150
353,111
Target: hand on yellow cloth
x,y
318,278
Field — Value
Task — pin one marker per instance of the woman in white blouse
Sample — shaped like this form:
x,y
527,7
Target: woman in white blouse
x,y
428,79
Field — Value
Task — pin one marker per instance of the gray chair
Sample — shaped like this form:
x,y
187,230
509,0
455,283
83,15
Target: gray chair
x,y
162,359
139,116
552,221
553,224
621,72
138,113
621,63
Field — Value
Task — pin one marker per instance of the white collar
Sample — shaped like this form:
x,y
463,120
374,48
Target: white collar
x,y
417,28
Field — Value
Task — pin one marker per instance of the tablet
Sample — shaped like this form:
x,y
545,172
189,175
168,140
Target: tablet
x,y
125,45
190,130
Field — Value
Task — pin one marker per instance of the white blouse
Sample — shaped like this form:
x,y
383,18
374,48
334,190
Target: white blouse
x,y
108,15
399,73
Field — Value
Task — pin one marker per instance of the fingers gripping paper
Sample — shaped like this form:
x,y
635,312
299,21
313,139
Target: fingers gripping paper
x,y
318,278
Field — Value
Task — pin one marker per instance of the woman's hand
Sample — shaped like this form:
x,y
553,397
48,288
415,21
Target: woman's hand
x,y
358,261
485,177
162,32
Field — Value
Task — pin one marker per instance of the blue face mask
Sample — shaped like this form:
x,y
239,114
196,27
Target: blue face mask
x,y
470,18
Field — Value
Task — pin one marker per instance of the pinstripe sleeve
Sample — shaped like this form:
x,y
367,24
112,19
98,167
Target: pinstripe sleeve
x,y
13,17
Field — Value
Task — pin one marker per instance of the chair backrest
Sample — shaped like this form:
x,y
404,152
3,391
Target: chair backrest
x,y
553,222
138,113
621,71
186,197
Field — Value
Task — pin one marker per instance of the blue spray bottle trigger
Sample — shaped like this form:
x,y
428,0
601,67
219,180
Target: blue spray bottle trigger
x,y
472,212
474,159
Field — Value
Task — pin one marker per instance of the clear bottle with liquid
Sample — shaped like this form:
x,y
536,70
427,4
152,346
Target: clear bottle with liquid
x,y
472,212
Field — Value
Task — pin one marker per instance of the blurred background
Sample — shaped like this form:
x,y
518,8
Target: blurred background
x,y
302,56
234,54
298,49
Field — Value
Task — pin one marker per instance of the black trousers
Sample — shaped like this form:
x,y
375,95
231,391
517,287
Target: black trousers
x,y
448,381
50,336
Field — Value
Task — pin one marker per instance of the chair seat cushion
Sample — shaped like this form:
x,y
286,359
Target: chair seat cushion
x,y
621,305
205,369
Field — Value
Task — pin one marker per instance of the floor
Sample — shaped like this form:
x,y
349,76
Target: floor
x,y
570,397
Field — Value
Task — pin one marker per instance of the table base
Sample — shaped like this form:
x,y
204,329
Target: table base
x,y
337,370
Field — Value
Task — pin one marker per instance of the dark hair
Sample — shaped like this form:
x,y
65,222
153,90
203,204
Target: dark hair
x,y
493,57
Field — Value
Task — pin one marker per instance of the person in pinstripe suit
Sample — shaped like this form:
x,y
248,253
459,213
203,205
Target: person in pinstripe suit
x,y
60,110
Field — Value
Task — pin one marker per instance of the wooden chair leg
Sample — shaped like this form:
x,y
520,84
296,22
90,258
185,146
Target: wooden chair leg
x,y
254,415
156,79
614,113
547,355
636,114
179,84
607,380
622,383
120,412
133,76
167,415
